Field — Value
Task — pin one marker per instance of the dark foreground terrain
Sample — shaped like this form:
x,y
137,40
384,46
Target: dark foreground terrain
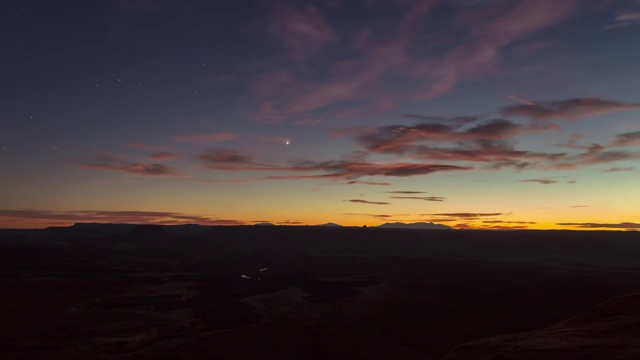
x,y
145,292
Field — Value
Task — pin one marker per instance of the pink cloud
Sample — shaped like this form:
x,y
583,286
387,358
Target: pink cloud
x,y
106,216
303,31
367,81
571,109
208,138
162,156
107,162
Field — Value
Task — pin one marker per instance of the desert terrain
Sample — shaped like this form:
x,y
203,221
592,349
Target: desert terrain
x,y
108,291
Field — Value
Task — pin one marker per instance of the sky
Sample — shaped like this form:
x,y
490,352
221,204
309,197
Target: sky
x,y
489,114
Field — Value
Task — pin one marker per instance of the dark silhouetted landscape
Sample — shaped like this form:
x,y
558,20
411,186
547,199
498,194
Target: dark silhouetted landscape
x,y
113,291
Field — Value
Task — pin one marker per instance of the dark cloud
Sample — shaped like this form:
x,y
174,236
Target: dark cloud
x,y
622,225
505,227
367,202
627,139
425,198
162,156
487,142
571,109
121,164
224,222
540,181
595,154
136,217
398,139
620,169
465,216
495,129
207,138
356,182
459,120
406,192
217,156
347,169
233,160
290,222
377,216
437,220
509,222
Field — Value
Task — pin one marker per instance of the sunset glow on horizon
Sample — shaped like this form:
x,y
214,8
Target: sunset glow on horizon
x,y
473,114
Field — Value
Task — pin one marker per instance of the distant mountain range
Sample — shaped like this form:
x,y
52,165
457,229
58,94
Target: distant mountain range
x,y
416,225
93,229
395,225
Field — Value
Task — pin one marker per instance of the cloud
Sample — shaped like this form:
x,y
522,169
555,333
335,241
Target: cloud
x,y
377,216
488,31
225,222
508,222
466,216
106,216
593,155
109,162
629,17
406,192
367,202
540,181
231,160
234,160
487,142
208,138
162,156
579,206
457,120
627,139
355,169
425,198
622,225
381,60
401,138
626,19
356,182
571,109
505,227
290,222
232,156
304,32
620,169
